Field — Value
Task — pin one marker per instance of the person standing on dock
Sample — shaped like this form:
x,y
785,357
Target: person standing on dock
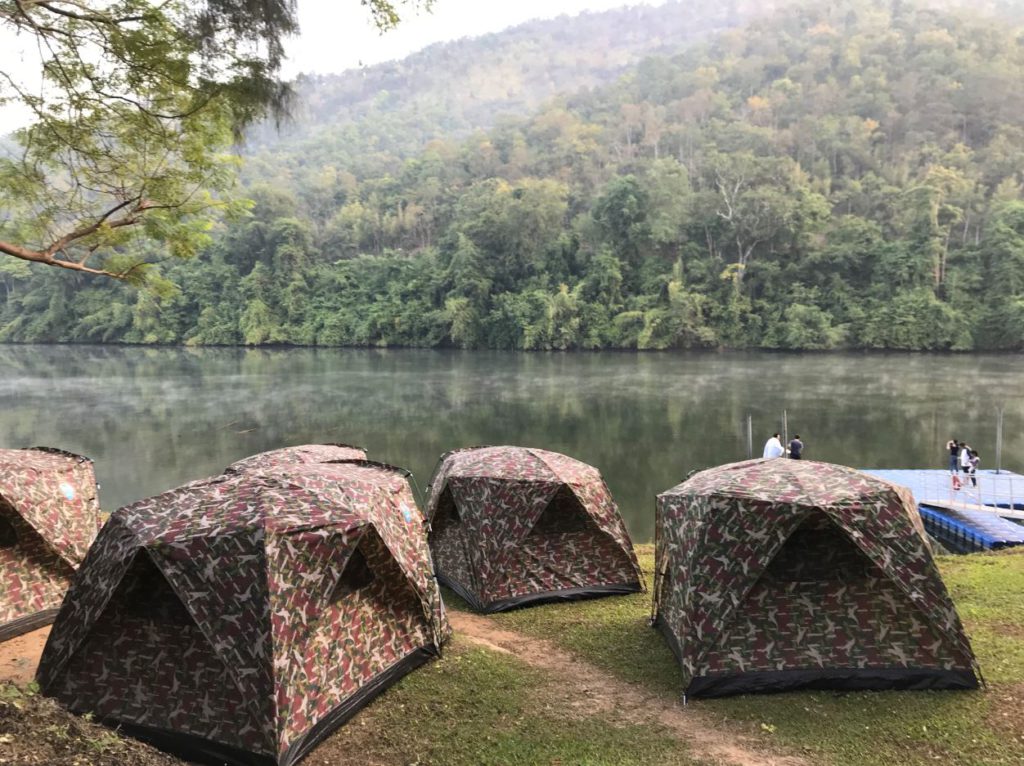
x,y
796,448
953,446
773,447
975,460
965,458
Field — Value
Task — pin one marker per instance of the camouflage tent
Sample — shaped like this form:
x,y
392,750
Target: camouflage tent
x,y
301,455
512,526
49,514
781,574
241,619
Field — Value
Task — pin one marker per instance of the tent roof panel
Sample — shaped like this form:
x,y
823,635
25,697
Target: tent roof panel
x,y
214,506
781,481
521,463
299,455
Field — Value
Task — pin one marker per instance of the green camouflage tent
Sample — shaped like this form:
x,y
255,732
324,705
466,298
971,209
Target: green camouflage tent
x,y
781,574
512,526
241,619
49,515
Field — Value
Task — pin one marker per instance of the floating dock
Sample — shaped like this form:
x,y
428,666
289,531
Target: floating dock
x,y
988,516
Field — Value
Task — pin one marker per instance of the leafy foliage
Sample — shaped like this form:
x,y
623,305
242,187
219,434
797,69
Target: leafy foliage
x,y
842,175
132,124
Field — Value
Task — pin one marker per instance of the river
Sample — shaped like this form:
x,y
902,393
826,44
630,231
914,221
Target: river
x,y
154,418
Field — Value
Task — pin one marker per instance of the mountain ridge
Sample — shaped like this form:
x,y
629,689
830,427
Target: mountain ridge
x,y
430,85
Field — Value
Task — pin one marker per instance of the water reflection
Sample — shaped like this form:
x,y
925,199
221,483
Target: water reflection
x,y
153,418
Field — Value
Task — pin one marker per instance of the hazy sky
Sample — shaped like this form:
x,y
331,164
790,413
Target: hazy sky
x,y
338,34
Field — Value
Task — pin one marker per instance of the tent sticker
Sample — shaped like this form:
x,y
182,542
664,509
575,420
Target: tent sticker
x,y
407,513
67,490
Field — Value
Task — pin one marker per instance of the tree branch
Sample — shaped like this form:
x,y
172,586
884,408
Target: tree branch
x,y
90,16
35,256
93,227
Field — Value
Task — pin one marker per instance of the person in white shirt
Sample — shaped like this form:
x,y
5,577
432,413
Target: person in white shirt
x,y
965,458
773,447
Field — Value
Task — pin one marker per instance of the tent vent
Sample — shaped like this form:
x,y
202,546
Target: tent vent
x,y
146,594
8,535
447,514
357,575
563,514
818,551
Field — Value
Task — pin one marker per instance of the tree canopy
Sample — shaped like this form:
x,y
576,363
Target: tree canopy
x,y
841,175
132,127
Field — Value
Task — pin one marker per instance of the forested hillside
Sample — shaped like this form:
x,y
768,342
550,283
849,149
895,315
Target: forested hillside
x,y
835,175
454,87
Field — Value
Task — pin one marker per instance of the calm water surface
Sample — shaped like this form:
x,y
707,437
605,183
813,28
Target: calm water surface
x,y
154,418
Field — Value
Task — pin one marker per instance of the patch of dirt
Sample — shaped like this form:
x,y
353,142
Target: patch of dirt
x,y
19,656
35,731
588,690
1008,629
1006,711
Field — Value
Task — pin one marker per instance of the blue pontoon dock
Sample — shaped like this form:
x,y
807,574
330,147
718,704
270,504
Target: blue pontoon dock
x,y
971,518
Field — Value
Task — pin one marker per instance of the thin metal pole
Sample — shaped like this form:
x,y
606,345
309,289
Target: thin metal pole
x,y
785,429
999,440
750,436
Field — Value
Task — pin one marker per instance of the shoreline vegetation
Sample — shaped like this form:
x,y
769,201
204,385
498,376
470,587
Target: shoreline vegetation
x,y
832,176
499,695
703,350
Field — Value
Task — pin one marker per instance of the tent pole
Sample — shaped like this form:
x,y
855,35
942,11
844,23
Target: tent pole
x,y
785,429
999,439
750,436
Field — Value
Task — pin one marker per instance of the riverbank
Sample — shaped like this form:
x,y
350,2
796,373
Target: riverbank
x,y
590,683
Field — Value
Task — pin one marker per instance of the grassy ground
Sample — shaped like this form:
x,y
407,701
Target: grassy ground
x,y
477,706
985,727
471,708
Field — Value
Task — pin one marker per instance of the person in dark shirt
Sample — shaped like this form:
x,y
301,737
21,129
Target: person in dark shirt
x,y
973,473
796,448
954,454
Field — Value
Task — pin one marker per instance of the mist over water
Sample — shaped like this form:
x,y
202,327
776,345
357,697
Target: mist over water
x,y
154,418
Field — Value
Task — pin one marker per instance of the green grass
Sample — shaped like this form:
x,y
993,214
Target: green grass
x,y
476,707
984,727
612,633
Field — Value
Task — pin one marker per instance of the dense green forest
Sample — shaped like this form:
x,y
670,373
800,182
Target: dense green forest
x,y
840,175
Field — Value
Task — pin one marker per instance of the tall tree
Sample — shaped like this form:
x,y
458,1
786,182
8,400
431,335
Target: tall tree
x,y
131,129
